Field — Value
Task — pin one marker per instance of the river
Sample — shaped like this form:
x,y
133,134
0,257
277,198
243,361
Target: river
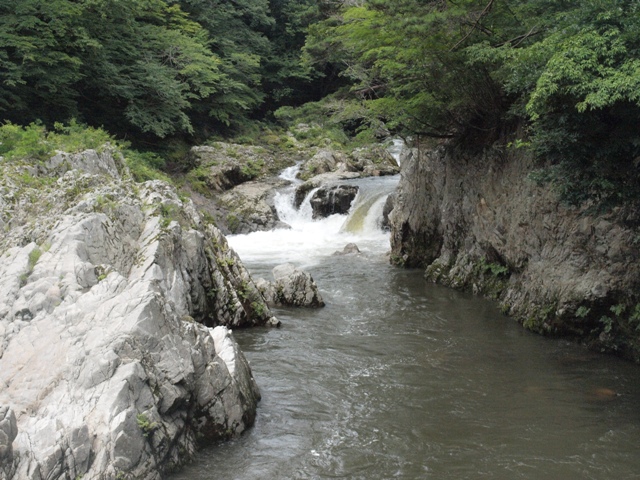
x,y
398,378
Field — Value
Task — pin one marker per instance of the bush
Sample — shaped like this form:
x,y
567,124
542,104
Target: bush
x,y
35,142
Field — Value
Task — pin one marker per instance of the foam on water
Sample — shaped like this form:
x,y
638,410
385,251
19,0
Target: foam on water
x,y
308,240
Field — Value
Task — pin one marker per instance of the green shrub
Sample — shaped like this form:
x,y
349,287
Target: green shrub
x,y
145,166
35,142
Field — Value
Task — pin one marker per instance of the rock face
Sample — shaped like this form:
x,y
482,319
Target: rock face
x,y
251,207
480,223
292,287
330,200
109,367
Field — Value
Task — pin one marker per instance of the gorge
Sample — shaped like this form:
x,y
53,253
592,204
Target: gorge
x,y
399,378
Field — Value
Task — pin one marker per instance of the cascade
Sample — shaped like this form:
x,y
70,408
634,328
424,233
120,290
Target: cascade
x,y
308,240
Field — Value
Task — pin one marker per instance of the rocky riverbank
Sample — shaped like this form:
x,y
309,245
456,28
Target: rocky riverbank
x,y
481,223
110,367
235,185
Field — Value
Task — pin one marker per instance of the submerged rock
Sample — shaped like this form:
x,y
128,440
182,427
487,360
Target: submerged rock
x,y
349,249
292,287
107,359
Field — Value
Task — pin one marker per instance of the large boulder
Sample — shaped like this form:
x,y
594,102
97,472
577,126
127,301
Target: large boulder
x,y
330,200
115,303
374,160
219,169
324,161
250,207
292,287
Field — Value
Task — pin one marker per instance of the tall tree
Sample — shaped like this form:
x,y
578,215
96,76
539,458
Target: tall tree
x,y
473,70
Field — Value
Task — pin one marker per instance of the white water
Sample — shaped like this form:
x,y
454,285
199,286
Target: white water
x,y
308,240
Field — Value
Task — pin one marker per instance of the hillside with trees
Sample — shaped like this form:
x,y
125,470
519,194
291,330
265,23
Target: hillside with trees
x,y
560,79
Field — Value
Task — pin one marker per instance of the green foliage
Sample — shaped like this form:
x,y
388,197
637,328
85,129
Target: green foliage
x,y
582,311
30,142
253,168
145,166
35,142
495,269
139,63
34,256
145,424
475,72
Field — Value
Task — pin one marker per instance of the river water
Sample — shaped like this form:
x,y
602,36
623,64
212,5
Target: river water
x,y
398,378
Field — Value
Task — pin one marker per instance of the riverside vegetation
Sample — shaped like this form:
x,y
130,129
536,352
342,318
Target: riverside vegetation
x,y
168,120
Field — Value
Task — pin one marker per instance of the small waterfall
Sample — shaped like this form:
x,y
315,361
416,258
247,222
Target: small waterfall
x,y
308,240
396,148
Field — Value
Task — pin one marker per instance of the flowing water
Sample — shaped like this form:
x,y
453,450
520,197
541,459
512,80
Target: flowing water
x,y
397,378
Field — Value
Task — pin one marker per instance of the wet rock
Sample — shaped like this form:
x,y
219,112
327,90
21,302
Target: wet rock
x,y
292,287
349,249
332,200
386,211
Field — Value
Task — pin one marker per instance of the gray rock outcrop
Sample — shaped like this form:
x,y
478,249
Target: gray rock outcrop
x,y
251,207
482,224
374,160
330,200
109,294
291,287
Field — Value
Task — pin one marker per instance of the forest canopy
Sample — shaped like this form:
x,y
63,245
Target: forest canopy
x,y
560,78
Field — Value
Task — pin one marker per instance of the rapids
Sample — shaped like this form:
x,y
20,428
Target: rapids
x,y
397,378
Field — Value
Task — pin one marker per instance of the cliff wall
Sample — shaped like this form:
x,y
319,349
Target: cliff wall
x,y
481,223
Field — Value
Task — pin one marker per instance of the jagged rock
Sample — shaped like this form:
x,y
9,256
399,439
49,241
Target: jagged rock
x,y
349,249
292,287
8,432
108,289
386,211
332,200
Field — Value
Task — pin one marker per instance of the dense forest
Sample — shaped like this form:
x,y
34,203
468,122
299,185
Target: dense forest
x,y
560,79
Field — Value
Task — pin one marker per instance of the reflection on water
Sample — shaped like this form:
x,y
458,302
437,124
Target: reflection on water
x,y
397,378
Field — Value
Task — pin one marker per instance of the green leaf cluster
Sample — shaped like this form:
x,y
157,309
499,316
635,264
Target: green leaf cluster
x,y
560,77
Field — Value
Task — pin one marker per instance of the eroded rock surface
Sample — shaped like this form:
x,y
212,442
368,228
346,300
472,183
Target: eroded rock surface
x,y
109,292
482,224
291,287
